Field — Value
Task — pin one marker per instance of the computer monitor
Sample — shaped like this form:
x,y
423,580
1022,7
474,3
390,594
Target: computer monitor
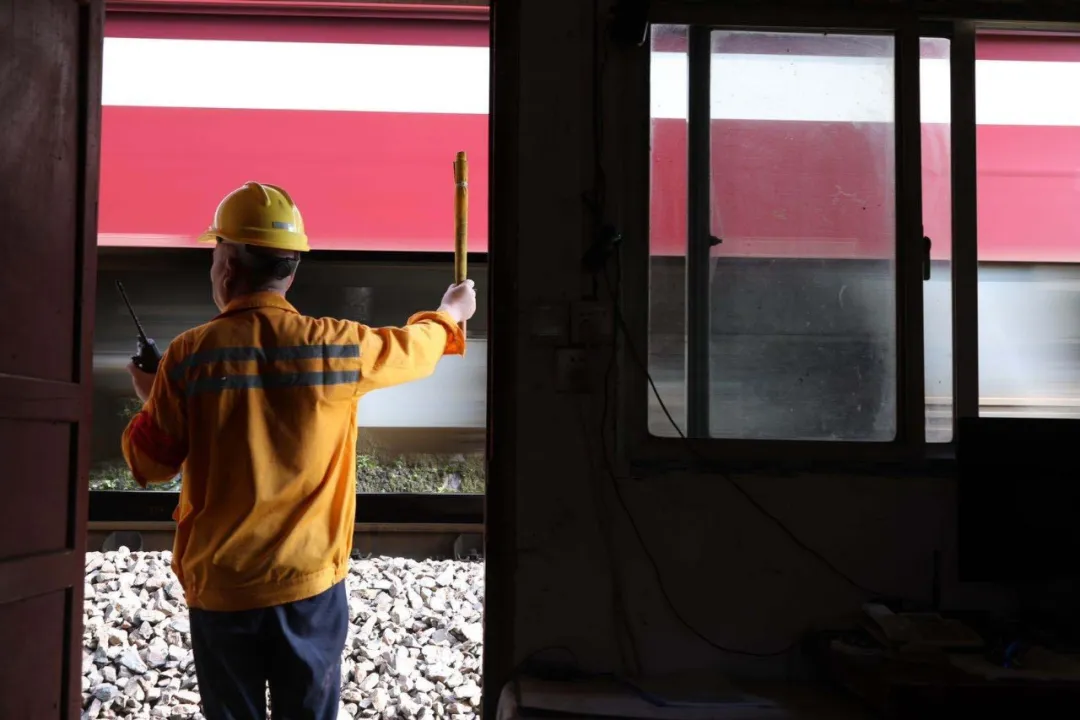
x,y
1018,500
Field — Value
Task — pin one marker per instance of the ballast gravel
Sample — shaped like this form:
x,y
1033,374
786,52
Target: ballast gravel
x,y
414,648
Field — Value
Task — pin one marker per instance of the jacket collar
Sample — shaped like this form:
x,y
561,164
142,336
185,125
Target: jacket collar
x,y
257,300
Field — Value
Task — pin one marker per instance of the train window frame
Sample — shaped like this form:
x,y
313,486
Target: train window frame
x,y
909,450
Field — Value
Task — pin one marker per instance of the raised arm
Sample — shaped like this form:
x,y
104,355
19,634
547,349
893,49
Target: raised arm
x,y
395,355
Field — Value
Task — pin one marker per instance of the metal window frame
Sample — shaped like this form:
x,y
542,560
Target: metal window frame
x,y
1010,15
699,230
964,182
965,222
909,441
910,253
908,23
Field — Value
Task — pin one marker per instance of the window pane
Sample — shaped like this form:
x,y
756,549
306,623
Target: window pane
x,y
934,76
802,343
1029,224
667,230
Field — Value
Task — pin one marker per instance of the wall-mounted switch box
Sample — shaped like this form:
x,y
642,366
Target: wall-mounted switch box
x,y
590,322
572,373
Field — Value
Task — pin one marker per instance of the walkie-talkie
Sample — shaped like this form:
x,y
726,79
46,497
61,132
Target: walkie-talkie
x,y
147,354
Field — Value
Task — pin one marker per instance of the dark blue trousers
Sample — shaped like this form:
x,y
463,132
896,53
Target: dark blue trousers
x,y
294,648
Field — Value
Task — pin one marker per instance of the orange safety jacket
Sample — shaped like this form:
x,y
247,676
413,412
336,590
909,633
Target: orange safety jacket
x,y
258,409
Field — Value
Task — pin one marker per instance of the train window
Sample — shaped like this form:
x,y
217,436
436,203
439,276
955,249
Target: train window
x,y
935,84
1028,155
798,340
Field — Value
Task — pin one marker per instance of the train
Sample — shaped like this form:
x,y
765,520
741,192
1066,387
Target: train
x,y
360,119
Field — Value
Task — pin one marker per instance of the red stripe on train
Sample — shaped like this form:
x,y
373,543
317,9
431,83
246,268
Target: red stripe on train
x,y
382,181
841,205
379,181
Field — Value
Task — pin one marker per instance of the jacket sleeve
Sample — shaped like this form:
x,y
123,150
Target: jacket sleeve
x,y
155,441
395,355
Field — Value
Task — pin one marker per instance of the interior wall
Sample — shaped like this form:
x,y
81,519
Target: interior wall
x,y
736,577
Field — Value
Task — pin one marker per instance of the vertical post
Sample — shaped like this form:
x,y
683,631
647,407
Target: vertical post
x,y
503,422
910,250
699,230
965,221
461,220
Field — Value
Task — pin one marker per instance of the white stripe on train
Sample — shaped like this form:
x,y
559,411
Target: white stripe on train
x,y
294,76
441,79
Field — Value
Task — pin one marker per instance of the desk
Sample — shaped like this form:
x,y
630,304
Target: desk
x,y
932,687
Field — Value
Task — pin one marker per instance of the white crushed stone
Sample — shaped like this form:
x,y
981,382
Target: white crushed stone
x,y
414,648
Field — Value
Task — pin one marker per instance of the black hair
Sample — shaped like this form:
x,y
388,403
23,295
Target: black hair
x,y
264,265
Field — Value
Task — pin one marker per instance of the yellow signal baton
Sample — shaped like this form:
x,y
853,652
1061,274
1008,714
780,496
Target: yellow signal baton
x,y
461,220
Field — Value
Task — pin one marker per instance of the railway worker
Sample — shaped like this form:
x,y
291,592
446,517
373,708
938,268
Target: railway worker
x,y
258,408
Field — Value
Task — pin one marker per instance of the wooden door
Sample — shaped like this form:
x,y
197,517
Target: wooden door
x,y
50,80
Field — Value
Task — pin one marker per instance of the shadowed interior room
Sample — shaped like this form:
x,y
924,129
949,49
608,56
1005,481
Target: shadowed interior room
x,y
769,402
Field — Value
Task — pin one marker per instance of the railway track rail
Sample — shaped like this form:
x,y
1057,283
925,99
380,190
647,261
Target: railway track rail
x,y
418,541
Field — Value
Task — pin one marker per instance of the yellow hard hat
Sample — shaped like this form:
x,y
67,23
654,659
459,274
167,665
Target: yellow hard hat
x,y
259,214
